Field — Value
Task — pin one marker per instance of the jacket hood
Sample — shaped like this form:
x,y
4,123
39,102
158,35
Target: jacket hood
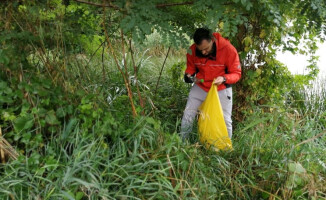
x,y
221,41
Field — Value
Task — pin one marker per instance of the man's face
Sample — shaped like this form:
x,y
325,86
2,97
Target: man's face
x,y
205,47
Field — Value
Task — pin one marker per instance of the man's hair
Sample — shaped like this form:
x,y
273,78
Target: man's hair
x,y
202,34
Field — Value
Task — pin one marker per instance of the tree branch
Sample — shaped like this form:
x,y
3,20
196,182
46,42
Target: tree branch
x,y
99,5
125,78
117,8
158,80
174,4
136,78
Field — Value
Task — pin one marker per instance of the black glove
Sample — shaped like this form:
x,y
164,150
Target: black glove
x,y
188,79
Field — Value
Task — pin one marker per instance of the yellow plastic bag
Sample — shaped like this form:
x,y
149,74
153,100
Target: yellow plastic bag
x,y
211,124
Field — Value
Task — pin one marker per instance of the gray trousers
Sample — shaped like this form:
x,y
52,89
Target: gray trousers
x,y
195,99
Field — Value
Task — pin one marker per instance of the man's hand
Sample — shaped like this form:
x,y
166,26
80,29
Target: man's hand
x,y
219,80
187,78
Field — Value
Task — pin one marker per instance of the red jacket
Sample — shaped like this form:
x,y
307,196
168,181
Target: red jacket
x,y
227,58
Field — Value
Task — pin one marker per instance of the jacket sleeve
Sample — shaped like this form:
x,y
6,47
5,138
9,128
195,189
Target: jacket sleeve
x,y
233,66
191,68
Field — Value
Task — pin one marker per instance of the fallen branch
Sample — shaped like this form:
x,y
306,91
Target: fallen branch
x,y
310,139
257,188
2,153
6,149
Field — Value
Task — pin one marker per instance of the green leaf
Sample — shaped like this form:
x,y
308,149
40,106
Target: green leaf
x,y
3,58
248,6
51,119
294,181
3,85
26,137
296,168
61,112
79,195
23,123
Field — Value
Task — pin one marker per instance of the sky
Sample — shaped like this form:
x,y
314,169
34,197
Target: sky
x,y
297,63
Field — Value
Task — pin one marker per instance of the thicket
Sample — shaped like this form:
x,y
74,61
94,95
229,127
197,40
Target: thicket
x,y
91,98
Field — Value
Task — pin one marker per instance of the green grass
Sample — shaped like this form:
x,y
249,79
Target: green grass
x,y
147,163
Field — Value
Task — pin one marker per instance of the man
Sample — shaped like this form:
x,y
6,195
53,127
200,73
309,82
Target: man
x,y
211,59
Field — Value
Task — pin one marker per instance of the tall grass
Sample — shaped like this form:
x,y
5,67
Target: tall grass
x,y
315,96
268,161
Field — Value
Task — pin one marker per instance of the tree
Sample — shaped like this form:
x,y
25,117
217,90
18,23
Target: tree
x,y
257,28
